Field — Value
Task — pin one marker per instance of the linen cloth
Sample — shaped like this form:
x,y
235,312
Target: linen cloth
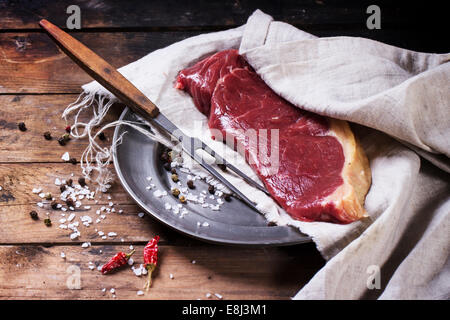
x,y
393,97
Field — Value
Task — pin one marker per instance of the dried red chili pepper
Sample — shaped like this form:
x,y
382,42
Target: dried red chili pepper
x,y
151,259
120,259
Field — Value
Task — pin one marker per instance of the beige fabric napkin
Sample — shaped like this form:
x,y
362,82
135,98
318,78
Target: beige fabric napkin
x,y
393,95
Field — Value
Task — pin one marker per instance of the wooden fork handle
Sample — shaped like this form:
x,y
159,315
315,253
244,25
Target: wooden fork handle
x,y
102,71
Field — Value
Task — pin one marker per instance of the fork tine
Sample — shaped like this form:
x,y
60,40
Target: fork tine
x,y
221,160
222,179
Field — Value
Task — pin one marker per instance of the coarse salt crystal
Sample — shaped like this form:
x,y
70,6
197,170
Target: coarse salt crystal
x,y
130,261
40,204
37,190
140,214
70,218
205,224
66,156
208,295
86,244
112,234
171,276
57,182
167,206
140,293
218,296
63,255
112,290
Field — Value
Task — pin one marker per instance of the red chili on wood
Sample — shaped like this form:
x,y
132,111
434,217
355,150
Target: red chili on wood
x,y
120,259
151,259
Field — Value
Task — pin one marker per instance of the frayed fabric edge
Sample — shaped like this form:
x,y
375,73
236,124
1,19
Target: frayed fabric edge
x,y
96,159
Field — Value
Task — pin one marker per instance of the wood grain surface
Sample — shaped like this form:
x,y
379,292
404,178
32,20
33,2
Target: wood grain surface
x,y
37,81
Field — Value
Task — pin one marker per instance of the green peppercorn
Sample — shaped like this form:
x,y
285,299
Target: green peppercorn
x,y
47,135
175,192
34,215
66,137
174,177
48,222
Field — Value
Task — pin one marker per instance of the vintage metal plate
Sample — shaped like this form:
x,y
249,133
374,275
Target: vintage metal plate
x,y
137,157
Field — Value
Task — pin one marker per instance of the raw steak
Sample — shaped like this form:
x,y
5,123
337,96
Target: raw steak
x,y
322,172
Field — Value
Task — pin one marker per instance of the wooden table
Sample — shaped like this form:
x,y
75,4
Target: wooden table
x,y
38,81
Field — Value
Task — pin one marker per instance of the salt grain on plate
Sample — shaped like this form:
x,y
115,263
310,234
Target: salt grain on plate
x,y
205,224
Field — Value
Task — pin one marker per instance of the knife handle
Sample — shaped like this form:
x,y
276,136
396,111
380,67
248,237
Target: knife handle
x,y
102,71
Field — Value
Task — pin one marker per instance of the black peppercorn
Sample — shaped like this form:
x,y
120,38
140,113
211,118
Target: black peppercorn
x,y
211,189
222,167
164,156
48,222
102,136
69,182
61,141
174,171
34,215
227,197
47,135
54,205
167,166
190,184
22,126
82,181
66,137
73,161
70,203
62,188
271,224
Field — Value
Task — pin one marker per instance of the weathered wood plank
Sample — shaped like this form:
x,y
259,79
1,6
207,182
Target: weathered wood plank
x,y
41,113
31,62
19,179
37,272
17,227
198,13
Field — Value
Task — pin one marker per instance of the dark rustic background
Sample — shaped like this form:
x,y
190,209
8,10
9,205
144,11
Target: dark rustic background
x,y
37,81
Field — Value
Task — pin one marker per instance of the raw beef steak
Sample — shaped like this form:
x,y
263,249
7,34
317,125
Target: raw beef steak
x,y
322,172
